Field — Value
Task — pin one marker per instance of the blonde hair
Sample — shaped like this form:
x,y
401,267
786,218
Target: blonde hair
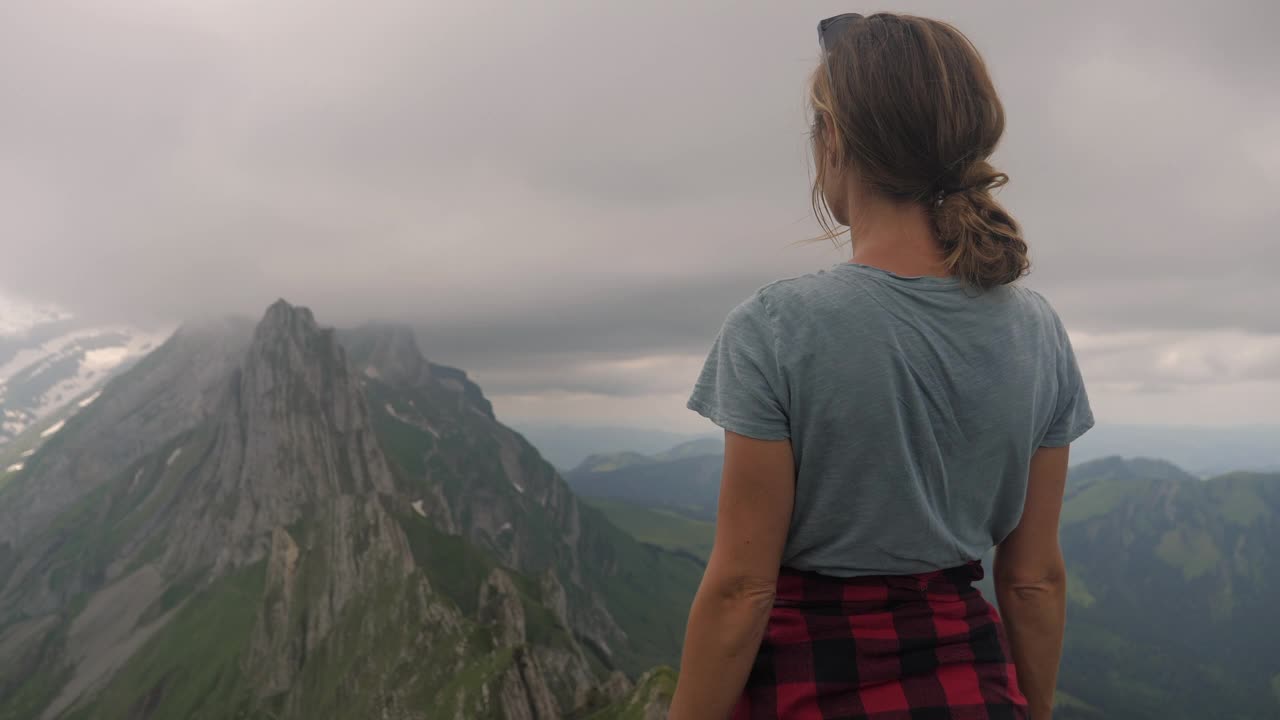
x,y
916,115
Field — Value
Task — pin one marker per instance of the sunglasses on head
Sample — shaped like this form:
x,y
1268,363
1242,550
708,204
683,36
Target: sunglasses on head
x,y
829,30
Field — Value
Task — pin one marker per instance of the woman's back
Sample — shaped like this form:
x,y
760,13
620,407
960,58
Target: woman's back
x,y
889,421
913,406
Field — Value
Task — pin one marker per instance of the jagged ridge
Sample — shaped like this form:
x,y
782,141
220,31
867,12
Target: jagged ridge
x,y
260,502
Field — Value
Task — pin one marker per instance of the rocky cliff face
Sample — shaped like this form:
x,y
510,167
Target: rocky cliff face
x,y
624,602
648,699
251,525
292,435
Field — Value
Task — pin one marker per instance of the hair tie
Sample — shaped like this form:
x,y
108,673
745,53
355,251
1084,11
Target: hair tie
x,y
942,194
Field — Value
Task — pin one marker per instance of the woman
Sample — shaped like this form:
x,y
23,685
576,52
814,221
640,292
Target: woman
x,y
888,421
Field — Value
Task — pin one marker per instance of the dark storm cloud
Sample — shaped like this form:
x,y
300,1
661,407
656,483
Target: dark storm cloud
x,y
527,182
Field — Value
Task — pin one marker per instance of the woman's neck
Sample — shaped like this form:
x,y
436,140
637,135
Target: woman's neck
x,y
897,237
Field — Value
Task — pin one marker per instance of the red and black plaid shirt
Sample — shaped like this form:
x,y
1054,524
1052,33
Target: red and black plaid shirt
x,y
913,647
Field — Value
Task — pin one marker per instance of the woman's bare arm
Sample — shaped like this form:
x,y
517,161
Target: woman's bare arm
x,y
729,613
1031,582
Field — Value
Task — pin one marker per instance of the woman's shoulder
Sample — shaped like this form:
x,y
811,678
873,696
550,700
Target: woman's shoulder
x,y
1037,305
798,291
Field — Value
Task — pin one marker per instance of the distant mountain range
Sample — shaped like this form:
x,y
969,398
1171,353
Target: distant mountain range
x,y
685,478
283,521
1200,450
50,361
1174,580
567,446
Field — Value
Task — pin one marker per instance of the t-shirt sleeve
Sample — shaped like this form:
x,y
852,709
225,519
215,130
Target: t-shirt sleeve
x,y
741,387
1072,415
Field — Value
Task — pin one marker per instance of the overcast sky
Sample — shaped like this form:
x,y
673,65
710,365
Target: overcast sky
x,y
567,197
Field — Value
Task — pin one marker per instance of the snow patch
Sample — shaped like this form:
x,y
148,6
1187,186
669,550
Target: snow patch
x,y
53,428
410,421
519,488
505,527
371,371
14,467
87,401
392,412
28,453
173,456
95,366
105,358
418,508
60,369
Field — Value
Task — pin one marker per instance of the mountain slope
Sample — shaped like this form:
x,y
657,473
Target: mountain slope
x,y
230,531
659,526
625,601
169,392
1174,585
684,479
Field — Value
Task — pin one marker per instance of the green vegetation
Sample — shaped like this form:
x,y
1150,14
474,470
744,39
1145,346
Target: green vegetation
x,y
1179,623
30,685
1241,503
464,689
1100,498
659,526
89,535
655,688
1069,705
686,484
647,590
1192,550
1078,590
405,444
380,655
613,461
168,678
455,567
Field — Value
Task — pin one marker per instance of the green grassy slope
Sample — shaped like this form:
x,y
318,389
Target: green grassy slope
x,y
167,678
658,526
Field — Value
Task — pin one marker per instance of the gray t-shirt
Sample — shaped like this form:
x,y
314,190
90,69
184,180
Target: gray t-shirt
x,y
913,406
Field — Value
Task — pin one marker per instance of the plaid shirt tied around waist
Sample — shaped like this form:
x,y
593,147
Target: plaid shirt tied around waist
x,y
909,647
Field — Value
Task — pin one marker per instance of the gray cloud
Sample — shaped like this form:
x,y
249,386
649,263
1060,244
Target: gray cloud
x,y
533,183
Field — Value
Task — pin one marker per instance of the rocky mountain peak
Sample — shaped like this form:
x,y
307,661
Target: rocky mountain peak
x,y
295,435
288,338
388,352
283,315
